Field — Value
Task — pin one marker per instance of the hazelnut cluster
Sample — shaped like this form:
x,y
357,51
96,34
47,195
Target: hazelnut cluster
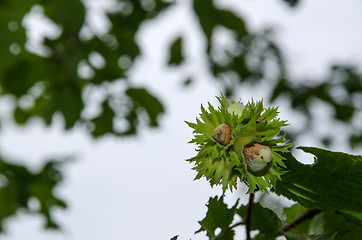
x,y
239,143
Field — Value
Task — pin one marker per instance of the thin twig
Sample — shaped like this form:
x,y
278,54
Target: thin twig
x,y
307,215
248,216
237,224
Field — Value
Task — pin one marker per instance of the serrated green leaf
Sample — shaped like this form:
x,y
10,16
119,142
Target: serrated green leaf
x,y
235,161
264,220
298,236
257,183
295,236
278,159
316,225
356,215
218,216
340,226
293,211
333,182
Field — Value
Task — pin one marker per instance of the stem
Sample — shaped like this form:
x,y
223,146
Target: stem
x,y
237,224
248,216
307,215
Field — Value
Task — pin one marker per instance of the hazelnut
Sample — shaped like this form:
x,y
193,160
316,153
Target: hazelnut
x,y
222,134
236,109
258,158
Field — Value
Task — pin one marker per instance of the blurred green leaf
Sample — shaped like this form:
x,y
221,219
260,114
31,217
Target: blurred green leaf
x,y
231,21
21,116
356,140
333,182
111,69
141,98
205,9
70,14
124,30
292,3
210,17
338,90
176,55
19,78
58,72
12,32
187,82
19,186
103,124
66,99
344,112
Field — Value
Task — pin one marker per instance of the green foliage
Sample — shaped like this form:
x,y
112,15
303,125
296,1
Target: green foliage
x,y
51,84
249,58
233,65
301,223
333,182
13,34
141,101
293,212
327,193
330,225
55,76
342,226
211,17
303,96
225,164
19,186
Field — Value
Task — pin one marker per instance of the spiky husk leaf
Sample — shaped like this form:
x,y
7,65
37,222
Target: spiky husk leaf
x,y
225,164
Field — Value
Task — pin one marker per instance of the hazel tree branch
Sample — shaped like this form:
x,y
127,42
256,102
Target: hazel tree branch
x,y
248,216
307,215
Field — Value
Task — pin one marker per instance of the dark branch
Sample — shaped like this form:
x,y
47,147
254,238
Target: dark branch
x,y
307,215
248,216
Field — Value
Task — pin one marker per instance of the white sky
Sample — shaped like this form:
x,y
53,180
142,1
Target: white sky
x,y
141,187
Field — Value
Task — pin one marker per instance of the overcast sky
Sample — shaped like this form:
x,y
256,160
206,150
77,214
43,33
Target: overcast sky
x,y
141,187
